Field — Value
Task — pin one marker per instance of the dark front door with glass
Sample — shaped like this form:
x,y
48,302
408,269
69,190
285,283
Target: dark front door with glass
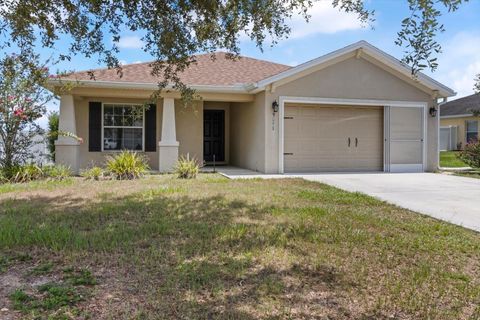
x,y
214,135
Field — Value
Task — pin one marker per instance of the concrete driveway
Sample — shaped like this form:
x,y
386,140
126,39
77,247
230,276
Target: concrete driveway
x,y
446,197
450,198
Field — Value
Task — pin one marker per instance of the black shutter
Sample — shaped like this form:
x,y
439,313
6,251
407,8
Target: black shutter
x,y
94,126
151,128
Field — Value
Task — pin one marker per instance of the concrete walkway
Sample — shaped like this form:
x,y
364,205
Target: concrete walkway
x,y
446,197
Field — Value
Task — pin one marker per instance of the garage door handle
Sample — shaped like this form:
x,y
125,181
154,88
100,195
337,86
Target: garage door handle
x,y
349,142
356,142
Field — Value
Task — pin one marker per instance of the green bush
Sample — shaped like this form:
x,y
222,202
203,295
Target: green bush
x,y
186,168
94,173
57,172
26,173
471,154
31,172
127,165
3,176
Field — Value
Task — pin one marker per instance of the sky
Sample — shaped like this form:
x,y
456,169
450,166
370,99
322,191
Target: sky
x,y
329,29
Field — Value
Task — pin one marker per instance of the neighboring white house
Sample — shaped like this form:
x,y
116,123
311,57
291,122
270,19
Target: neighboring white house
x,y
38,151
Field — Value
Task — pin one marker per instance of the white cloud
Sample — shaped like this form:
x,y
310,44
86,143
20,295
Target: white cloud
x,y
130,42
460,62
324,18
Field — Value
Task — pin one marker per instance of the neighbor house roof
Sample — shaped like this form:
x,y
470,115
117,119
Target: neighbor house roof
x,y
460,107
244,75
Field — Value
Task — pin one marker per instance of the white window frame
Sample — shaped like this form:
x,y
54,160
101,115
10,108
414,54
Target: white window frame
x,y
124,127
467,132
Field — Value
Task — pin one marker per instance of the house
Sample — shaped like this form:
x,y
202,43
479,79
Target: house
x,y
355,109
459,122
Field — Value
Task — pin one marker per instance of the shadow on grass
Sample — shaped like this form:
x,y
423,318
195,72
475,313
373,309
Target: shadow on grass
x,y
186,257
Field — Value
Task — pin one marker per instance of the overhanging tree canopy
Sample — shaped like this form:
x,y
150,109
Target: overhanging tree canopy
x,y
174,30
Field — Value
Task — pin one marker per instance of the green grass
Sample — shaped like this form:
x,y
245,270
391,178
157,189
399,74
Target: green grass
x,y
470,174
449,159
214,248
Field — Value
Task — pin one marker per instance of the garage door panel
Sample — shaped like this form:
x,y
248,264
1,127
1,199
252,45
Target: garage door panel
x,y
406,152
406,123
316,138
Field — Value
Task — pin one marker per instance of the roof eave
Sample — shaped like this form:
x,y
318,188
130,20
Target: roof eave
x,y
451,116
240,88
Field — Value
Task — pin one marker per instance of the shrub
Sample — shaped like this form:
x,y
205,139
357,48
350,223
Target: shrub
x,y
94,173
127,165
471,154
31,172
186,168
3,176
25,173
57,172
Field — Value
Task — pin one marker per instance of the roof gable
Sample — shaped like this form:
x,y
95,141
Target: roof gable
x,y
358,49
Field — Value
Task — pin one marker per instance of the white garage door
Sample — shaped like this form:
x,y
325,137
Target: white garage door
x,y
333,138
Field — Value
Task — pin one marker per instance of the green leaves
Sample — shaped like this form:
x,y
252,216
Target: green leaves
x,y
476,86
174,30
419,32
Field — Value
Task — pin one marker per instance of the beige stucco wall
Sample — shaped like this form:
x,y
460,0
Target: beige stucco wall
x,y
460,123
189,125
247,134
189,128
219,105
350,79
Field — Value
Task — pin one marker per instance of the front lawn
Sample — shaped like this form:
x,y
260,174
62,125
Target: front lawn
x,y
449,159
163,248
471,174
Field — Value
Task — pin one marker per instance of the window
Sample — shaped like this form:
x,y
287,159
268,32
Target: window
x,y
472,130
122,127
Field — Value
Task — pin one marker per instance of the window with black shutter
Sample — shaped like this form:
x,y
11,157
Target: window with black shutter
x,y
123,127
95,126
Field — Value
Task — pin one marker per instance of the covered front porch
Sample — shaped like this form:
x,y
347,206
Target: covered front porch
x,y
221,129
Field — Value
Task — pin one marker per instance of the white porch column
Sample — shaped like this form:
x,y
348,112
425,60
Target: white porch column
x,y
168,145
67,148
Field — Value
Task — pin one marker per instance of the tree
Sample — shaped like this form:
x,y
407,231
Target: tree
x,y
22,101
476,87
174,30
53,121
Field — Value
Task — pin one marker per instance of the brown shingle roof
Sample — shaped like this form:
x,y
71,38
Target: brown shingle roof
x,y
219,72
461,106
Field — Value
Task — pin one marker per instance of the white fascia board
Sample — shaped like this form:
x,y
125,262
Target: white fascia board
x,y
144,86
457,116
368,49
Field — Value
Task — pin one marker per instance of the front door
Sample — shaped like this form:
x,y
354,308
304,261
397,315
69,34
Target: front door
x,y
214,135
